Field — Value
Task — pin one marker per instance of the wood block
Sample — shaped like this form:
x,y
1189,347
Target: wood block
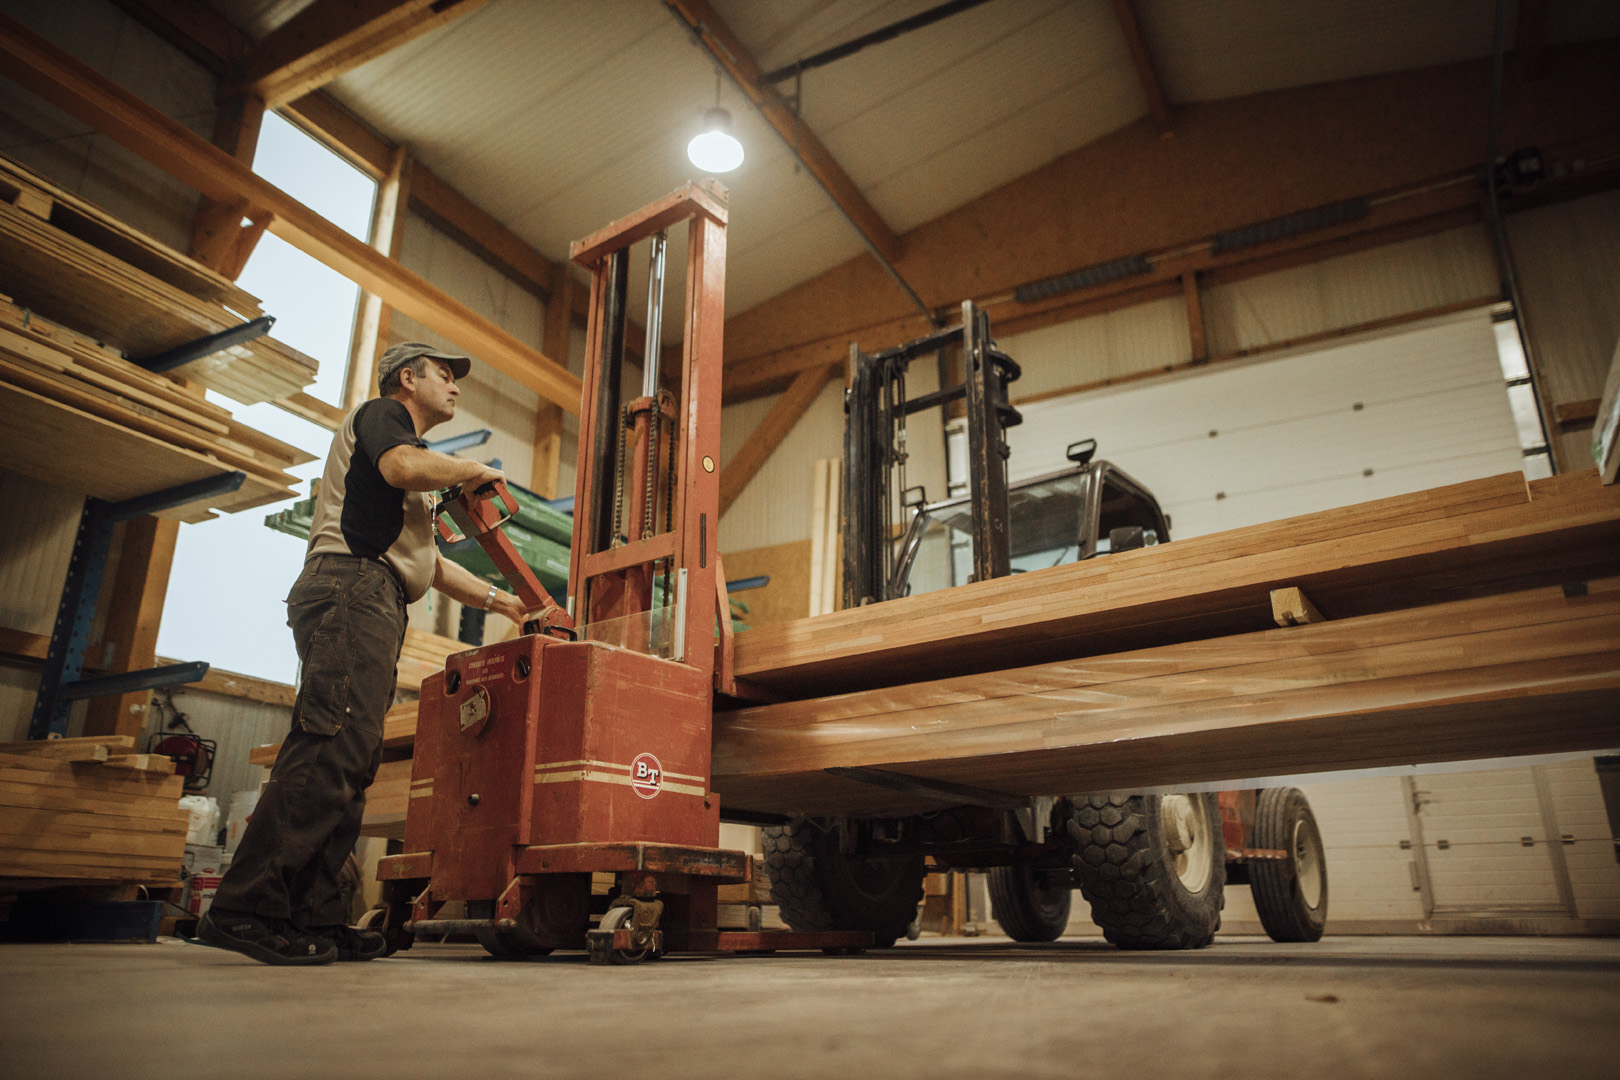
x,y
150,763
70,749
1291,607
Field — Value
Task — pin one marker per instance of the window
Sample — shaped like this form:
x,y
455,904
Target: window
x,y
1522,397
231,574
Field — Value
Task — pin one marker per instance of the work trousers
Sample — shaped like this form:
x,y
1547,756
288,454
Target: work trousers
x,y
348,620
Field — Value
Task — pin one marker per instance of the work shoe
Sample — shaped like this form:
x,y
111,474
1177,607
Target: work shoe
x,y
353,943
269,941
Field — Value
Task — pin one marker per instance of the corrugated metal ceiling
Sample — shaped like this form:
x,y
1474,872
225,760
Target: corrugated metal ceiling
x,y
558,117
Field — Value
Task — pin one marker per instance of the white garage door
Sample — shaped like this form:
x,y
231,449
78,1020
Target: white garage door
x,y
1292,435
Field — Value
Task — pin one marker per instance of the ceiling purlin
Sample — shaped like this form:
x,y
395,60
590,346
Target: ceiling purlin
x,y
1145,71
330,37
730,53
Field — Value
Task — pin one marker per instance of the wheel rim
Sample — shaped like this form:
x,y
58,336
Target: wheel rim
x,y
1308,863
1187,839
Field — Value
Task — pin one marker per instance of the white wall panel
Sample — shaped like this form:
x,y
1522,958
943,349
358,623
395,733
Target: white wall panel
x,y
237,726
35,547
1296,433
488,398
1594,872
62,149
775,506
1414,275
1145,337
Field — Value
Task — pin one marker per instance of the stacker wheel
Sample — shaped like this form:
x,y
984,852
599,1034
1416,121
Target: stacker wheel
x,y
1152,867
1290,894
619,918
817,887
386,919
1029,903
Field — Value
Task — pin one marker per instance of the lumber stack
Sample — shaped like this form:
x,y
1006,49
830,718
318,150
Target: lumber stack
x,y
82,416
1528,672
67,260
423,654
1484,536
82,810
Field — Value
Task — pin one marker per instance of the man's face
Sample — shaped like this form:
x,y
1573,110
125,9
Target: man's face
x,y
435,391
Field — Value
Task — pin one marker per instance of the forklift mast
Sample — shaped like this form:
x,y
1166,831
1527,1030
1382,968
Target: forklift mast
x,y
874,446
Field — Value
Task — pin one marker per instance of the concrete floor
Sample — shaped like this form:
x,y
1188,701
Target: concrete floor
x,y
938,1008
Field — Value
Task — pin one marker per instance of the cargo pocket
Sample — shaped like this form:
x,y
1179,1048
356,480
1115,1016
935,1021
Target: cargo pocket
x,y
318,616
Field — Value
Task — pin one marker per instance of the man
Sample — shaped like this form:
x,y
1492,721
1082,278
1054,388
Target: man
x,y
371,553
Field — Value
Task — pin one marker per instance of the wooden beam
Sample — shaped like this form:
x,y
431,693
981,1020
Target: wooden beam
x,y
1125,12
134,611
95,100
729,51
329,37
1495,533
1195,317
762,443
544,473
371,328
216,231
1336,334
1291,607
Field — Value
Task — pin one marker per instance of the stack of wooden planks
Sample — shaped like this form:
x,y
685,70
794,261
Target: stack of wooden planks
x,y
80,415
67,260
1476,620
77,810
422,655
1488,535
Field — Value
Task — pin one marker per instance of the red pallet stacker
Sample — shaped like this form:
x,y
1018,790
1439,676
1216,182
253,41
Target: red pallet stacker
x,y
582,747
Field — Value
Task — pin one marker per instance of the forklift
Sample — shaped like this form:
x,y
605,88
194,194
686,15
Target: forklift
x,y
1152,865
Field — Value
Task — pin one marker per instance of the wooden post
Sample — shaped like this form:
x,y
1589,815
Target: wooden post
x,y
371,328
824,522
548,421
218,239
134,612
1195,317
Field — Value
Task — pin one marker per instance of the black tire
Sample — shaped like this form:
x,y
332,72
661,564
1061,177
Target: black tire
x,y
1290,894
1031,904
817,887
1128,868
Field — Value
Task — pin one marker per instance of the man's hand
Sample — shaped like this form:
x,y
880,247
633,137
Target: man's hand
x,y
486,475
508,606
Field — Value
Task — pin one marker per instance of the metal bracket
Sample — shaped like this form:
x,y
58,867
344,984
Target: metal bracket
x,y
1034,818
208,345
59,682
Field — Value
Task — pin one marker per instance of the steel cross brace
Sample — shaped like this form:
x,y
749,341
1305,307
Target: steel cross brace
x,y
59,683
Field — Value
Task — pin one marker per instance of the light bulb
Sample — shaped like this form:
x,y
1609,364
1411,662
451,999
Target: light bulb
x,y
716,150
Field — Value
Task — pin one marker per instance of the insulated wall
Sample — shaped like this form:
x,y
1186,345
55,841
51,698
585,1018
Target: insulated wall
x,y
1568,259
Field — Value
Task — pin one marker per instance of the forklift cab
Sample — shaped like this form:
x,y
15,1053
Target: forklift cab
x,y
1078,513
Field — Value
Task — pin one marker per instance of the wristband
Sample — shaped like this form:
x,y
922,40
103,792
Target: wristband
x,y
489,600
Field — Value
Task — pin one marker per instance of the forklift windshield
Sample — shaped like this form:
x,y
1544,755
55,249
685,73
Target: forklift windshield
x,y
1048,525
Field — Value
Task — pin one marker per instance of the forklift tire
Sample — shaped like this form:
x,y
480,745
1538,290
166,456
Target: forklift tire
x,y
817,887
1153,867
1030,905
1290,894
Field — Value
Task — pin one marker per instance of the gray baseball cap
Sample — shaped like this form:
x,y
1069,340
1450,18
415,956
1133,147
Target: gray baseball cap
x,y
399,355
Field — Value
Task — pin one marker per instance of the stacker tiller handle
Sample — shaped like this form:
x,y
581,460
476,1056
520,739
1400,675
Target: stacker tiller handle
x,y
477,514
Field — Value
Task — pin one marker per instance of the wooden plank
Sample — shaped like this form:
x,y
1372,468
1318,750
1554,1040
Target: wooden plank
x,y
59,444
729,51
825,520
135,609
95,100
1291,607
329,37
148,763
1387,553
763,441
1357,693
67,749
1195,315
371,328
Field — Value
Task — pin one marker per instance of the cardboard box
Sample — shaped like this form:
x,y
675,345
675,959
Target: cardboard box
x,y
200,889
202,859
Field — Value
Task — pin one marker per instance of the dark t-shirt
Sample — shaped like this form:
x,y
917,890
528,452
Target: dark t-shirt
x,y
358,512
